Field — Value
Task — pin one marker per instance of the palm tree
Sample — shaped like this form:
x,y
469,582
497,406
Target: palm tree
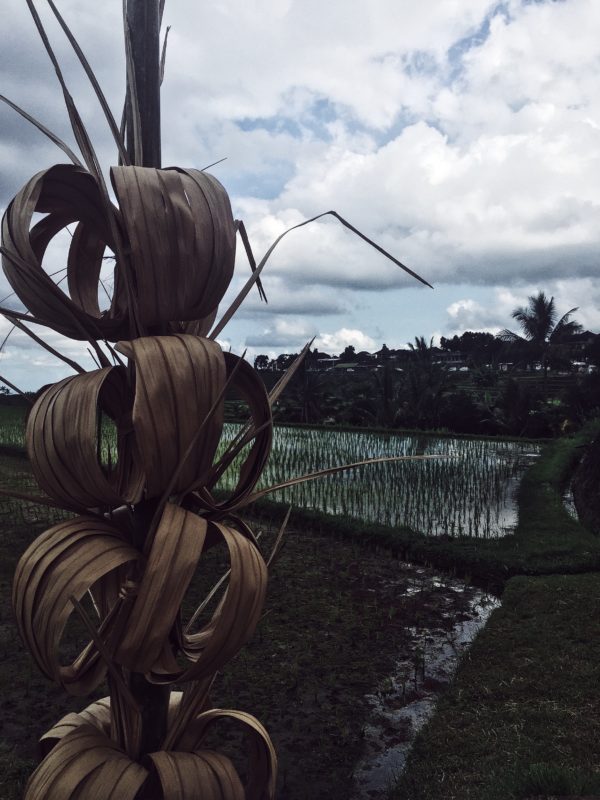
x,y
424,384
540,328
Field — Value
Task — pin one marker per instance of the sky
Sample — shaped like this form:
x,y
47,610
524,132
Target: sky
x,y
461,135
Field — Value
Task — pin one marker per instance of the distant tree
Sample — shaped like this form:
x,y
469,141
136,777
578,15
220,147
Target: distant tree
x,y
541,329
423,385
261,362
422,351
479,347
384,353
285,360
349,355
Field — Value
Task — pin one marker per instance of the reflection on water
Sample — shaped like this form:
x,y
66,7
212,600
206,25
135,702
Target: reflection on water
x,y
462,488
406,699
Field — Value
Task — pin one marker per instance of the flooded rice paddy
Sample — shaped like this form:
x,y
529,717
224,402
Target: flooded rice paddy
x,y
464,487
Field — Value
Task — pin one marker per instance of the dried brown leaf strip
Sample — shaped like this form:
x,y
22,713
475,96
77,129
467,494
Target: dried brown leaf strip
x,y
178,379
187,772
174,272
175,552
66,194
86,765
183,266
62,441
262,759
155,634
64,562
203,775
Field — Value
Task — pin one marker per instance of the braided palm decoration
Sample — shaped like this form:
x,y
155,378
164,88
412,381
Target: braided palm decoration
x,y
166,401
140,524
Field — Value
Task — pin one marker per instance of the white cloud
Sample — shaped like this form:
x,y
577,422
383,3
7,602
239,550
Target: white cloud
x,y
336,342
464,137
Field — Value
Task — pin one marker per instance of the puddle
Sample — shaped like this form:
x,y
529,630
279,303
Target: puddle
x,y
405,700
569,503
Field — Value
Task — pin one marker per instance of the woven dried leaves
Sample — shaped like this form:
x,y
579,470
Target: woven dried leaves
x,y
165,273
167,409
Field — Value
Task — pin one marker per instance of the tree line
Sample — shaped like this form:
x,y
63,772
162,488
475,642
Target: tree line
x,y
536,381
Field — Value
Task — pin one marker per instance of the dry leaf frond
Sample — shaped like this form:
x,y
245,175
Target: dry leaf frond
x,y
64,562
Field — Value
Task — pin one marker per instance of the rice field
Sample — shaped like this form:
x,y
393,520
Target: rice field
x,y
467,489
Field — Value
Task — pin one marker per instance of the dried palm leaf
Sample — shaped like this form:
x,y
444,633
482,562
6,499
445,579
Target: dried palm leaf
x,y
37,124
183,266
81,135
259,268
62,438
178,380
231,625
17,323
249,431
163,55
86,765
202,775
175,552
175,774
96,86
65,562
262,759
322,473
250,386
175,272
16,389
97,714
67,194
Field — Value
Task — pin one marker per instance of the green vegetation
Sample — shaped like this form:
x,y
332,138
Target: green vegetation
x,y
461,487
12,425
522,716
546,540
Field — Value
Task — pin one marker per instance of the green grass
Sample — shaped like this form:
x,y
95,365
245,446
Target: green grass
x,y
523,715
12,426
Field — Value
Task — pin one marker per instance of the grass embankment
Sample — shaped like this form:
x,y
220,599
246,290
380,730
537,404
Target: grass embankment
x,y
522,718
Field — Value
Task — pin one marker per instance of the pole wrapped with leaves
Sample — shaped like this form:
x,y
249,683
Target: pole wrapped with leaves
x,y
142,518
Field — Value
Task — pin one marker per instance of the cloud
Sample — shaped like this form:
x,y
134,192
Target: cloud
x,y
282,334
469,314
290,336
466,144
336,342
285,298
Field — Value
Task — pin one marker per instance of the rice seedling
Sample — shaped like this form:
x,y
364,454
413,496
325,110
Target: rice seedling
x,y
468,490
12,426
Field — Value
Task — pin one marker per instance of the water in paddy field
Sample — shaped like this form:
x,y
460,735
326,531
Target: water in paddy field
x,y
403,703
463,487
